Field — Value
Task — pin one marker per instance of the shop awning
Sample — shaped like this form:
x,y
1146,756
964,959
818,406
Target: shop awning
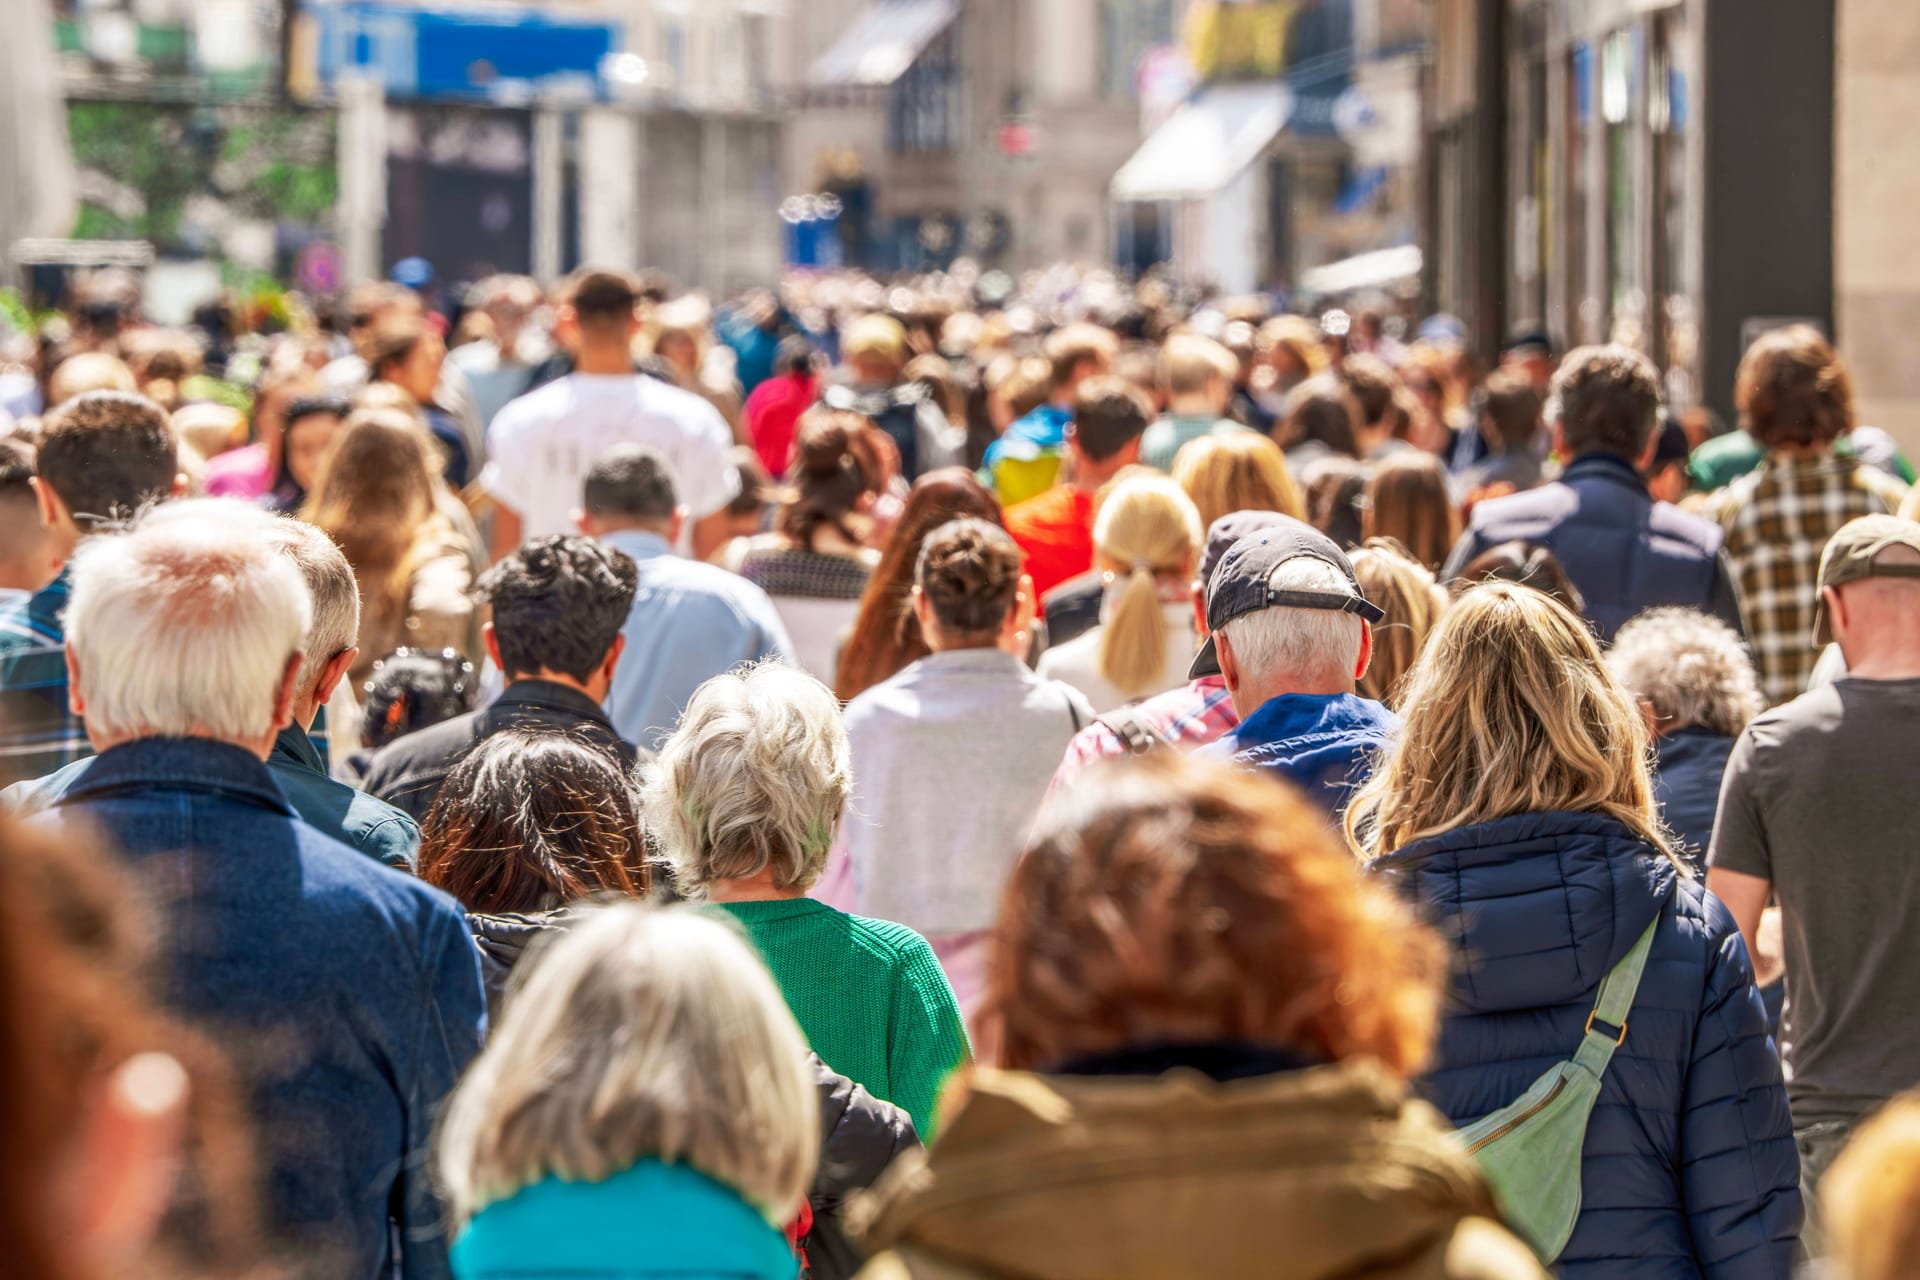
x,y
1374,270
1206,143
877,47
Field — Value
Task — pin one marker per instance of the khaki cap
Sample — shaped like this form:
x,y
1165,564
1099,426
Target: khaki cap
x,y
1850,557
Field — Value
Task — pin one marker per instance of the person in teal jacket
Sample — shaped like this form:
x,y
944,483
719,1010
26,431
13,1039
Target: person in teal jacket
x,y
646,1108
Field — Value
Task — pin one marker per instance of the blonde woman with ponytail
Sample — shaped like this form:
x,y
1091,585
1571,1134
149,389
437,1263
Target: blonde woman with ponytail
x,y
1516,811
1146,539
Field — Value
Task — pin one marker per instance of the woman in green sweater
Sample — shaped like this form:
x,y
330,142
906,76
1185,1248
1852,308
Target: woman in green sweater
x,y
744,799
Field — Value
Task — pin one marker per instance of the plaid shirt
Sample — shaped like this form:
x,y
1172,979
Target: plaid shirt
x,y
1190,716
1778,519
38,731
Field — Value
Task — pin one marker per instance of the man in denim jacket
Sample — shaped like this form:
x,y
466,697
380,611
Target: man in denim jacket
x,y
346,995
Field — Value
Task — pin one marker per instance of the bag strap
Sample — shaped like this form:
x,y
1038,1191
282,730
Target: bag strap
x,y
1607,1024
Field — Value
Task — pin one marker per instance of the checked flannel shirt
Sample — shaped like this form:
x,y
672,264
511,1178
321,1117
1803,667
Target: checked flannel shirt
x,y
38,731
1778,519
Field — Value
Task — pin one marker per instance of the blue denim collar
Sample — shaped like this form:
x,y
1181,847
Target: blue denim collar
x,y
294,749
192,764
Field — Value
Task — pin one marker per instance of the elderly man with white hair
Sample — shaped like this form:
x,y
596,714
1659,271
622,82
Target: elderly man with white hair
x,y
346,995
1292,635
372,826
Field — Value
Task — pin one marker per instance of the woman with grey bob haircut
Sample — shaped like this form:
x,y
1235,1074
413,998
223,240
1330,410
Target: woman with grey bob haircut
x,y
645,1108
1697,688
751,785
744,800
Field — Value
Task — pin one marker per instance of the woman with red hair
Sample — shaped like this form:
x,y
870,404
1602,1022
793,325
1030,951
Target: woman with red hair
x,y
1204,1021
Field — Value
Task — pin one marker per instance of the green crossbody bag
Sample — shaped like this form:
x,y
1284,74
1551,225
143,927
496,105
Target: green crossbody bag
x,y
1530,1148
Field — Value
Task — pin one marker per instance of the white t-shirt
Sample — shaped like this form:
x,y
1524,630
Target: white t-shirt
x,y
541,445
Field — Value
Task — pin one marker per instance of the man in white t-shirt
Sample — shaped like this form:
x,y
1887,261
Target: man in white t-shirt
x,y
541,445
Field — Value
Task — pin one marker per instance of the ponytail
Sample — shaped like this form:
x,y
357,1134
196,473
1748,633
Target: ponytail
x,y
1148,529
1133,643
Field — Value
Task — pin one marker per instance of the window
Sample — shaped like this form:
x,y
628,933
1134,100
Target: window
x,y
1128,29
923,111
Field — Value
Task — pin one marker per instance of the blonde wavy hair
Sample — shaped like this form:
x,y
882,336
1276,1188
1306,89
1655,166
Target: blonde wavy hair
x,y
643,1032
1239,472
1148,533
1510,710
1414,602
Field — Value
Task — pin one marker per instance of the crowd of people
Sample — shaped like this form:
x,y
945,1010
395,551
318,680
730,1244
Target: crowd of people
x,y
947,781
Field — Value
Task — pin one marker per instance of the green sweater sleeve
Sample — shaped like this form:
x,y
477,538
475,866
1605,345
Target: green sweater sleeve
x,y
928,1039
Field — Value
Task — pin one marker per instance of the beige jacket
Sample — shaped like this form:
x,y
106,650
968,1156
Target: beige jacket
x,y
1309,1175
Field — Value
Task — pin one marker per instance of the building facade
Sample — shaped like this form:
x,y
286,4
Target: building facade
x,y
1654,172
985,127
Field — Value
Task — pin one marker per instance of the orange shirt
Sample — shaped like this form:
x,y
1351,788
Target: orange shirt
x,y
1055,530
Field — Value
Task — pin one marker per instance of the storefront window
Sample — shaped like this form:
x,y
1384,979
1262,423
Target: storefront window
x,y
1622,103
1676,276
1575,209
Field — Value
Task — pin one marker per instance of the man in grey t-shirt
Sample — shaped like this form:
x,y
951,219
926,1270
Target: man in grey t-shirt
x,y
1817,808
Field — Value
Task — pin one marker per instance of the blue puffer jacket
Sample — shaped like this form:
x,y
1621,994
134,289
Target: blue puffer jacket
x,y
1624,551
1689,1167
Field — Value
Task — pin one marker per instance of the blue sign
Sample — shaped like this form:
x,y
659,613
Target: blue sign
x,y
477,55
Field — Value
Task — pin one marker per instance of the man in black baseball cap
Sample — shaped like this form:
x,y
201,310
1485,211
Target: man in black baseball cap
x,y
1196,713
1291,636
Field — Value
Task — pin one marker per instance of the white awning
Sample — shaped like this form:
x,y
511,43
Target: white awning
x,y
878,46
1206,143
1373,270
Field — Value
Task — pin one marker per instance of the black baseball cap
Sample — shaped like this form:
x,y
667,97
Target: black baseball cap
x,y
1241,582
1229,529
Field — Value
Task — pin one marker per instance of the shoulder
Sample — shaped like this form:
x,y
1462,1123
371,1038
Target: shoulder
x,y
431,747
345,878
1891,493
900,947
1547,501
689,409
1814,711
537,405
1704,534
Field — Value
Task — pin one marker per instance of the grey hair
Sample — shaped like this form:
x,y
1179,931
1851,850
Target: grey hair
x,y
643,1032
1690,668
336,595
182,626
1298,642
756,775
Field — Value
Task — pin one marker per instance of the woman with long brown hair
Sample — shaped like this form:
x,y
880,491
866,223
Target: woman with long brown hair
x,y
528,826
816,563
378,497
886,635
1408,500
1414,601
1516,809
404,353
1203,1022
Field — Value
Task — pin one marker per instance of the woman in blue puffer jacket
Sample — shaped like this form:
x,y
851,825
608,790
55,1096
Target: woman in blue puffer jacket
x,y
1515,809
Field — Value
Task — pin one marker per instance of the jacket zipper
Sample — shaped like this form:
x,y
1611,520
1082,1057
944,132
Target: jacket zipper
x,y
1522,1118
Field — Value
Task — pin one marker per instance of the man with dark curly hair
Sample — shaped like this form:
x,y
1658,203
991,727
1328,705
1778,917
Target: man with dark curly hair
x,y
558,606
